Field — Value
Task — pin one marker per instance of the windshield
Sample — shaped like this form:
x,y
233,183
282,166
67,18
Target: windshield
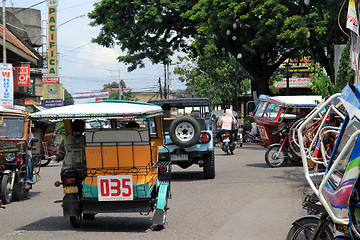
x,y
11,127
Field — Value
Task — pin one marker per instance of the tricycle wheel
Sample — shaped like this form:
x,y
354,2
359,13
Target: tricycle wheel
x,y
6,191
209,165
275,157
75,221
20,193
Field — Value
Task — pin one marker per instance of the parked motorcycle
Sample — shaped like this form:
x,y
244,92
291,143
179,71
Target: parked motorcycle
x,y
277,154
251,138
228,145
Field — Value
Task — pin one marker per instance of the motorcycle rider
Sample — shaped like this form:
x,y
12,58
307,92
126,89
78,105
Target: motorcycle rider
x,y
224,123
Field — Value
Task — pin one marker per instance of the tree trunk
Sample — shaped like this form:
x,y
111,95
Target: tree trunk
x,y
260,84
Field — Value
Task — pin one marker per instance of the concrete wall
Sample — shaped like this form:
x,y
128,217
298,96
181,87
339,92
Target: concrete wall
x,y
26,23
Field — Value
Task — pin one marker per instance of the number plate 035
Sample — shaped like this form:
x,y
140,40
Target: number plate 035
x,y
115,188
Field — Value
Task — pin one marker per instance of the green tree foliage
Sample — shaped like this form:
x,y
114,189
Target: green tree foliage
x,y
115,94
219,78
261,34
322,83
68,99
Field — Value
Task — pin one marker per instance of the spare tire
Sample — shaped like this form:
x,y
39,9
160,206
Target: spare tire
x,y
185,131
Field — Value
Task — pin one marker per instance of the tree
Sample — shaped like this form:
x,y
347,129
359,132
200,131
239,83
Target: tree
x,y
322,83
220,79
260,34
115,95
68,99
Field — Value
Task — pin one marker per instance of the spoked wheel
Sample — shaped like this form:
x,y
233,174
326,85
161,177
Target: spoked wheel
x,y
275,157
304,228
75,221
6,189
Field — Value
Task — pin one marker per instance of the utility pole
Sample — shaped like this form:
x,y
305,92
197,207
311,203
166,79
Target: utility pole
x,y
164,81
160,91
168,80
120,86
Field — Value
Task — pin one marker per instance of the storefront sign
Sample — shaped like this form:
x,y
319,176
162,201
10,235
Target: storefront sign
x,y
53,91
6,85
50,79
294,83
22,75
50,103
52,45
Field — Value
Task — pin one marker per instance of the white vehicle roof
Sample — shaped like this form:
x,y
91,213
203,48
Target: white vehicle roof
x,y
102,109
296,101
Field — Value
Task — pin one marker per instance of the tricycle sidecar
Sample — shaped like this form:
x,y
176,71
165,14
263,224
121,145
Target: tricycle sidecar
x,y
116,168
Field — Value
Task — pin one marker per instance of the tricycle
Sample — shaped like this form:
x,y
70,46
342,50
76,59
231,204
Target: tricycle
x,y
116,169
271,113
16,172
337,188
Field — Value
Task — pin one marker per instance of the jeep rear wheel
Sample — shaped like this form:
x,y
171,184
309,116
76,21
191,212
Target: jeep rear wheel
x,y
185,131
209,165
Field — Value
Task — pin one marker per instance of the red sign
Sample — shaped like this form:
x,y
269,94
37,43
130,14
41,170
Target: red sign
x,y
50,79
22,75
115,188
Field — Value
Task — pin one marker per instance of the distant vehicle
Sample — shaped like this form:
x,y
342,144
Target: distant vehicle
x,y
188,134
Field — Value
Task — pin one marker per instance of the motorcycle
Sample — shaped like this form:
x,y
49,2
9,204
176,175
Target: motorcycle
x,y
228,145
252,138
277,154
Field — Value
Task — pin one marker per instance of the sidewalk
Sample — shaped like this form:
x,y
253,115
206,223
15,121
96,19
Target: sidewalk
x,y
268,219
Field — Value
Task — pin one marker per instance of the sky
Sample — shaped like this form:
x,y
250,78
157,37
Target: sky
x,y
85,66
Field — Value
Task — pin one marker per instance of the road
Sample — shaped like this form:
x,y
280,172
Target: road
x,y
247,200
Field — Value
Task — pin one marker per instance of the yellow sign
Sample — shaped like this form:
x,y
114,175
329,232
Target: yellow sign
x,y
52,45
53,91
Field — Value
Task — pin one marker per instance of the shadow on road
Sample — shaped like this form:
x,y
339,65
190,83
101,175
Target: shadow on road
x,y
186,176
99,224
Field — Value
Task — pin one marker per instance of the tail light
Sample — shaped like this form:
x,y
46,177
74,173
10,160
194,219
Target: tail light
x,y
162,169
205,137
69,181
226,134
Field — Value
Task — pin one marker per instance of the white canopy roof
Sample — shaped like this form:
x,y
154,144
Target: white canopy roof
x,y
298,101
102,109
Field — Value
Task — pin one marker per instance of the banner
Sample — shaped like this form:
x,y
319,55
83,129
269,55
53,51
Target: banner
x,y
86,95
352,22
354,51
22,75
6,85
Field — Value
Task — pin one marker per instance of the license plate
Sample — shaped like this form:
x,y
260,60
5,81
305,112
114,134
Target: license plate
x,y
71,189
115,188
226,140
179,157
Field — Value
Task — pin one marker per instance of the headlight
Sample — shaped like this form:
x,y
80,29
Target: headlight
x,y
10,157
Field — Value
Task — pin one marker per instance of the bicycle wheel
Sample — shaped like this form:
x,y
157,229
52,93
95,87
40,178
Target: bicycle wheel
x,y
304,228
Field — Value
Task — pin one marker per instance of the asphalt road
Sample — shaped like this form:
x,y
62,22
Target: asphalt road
x,y
247,200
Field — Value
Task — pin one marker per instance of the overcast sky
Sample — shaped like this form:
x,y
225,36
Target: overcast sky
x,y
85,66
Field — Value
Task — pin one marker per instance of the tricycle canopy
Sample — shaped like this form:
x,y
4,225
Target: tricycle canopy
x,y
102,109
